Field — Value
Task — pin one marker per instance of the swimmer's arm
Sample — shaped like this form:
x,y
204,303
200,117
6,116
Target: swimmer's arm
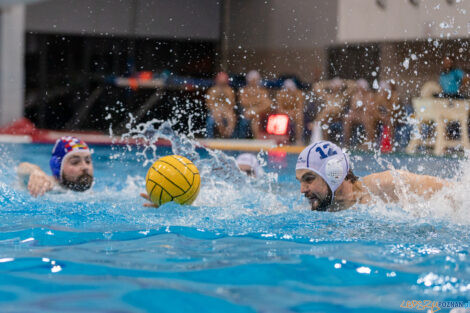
x,y
386,184
423,185
25,169
36,180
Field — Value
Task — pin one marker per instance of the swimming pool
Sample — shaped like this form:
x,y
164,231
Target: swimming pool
x,y
243,246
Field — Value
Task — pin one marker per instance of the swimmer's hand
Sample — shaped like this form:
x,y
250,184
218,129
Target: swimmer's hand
x,y
148,205
39,183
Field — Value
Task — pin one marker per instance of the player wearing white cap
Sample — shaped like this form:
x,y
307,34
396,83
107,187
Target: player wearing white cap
x,y
248,163
327,181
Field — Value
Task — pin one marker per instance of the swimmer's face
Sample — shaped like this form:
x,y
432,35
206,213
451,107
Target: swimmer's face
x,y
77,171
314,189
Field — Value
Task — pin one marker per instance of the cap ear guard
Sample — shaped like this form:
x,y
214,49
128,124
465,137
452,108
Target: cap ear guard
x,y
334,171
55,164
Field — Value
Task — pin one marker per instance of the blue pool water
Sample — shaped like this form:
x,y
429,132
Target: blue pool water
x,y
243,246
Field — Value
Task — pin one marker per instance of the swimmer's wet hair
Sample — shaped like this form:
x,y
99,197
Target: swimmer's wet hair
x,y
351,177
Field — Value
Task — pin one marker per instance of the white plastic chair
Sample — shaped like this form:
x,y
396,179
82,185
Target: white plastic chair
x,y
439,111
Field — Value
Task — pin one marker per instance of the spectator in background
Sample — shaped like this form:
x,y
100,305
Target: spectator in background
x,y
255,103
334,99
360,112
290,101
220,101
400,112
465,86
450,79
311,111
382,110
387,109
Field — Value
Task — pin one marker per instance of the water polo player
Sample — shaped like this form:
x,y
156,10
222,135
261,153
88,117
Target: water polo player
x,y
327,181
248,163
71,167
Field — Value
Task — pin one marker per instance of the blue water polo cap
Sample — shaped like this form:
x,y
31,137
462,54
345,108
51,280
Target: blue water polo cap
x,y
327,160
64,147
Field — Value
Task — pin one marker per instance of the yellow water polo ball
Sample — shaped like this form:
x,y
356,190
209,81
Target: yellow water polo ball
x,y
173,178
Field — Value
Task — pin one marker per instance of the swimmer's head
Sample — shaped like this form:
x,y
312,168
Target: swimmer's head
x,y
321,168
248,163
71,163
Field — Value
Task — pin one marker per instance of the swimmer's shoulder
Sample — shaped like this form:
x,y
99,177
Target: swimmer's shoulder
x,y
417,183
391,177
382,185
381,178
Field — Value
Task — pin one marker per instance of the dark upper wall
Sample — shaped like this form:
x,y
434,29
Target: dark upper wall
x,y
178,19
281,24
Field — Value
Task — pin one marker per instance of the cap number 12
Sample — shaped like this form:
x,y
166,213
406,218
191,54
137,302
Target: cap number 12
x,y
324,155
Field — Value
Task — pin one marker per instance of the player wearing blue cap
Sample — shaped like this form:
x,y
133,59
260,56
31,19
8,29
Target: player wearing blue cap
x,y
328,182
71,167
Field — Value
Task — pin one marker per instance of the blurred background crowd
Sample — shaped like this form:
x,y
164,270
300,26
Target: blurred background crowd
x,y
346,111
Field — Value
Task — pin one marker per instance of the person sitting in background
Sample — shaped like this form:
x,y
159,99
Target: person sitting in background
x,y
71,166
290,101
248,163
220,101
328,182
450,79
334,99
465,86
360,112
255,102
386,106
389,91
312,106
400,112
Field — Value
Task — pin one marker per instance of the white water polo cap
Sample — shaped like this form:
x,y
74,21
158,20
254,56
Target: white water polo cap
x,y
327,160
251,161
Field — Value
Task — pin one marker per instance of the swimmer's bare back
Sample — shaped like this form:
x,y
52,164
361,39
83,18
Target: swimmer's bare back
x,y
391,185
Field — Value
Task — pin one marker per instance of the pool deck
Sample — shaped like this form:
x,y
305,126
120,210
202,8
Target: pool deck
x,y
99,139
24,132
